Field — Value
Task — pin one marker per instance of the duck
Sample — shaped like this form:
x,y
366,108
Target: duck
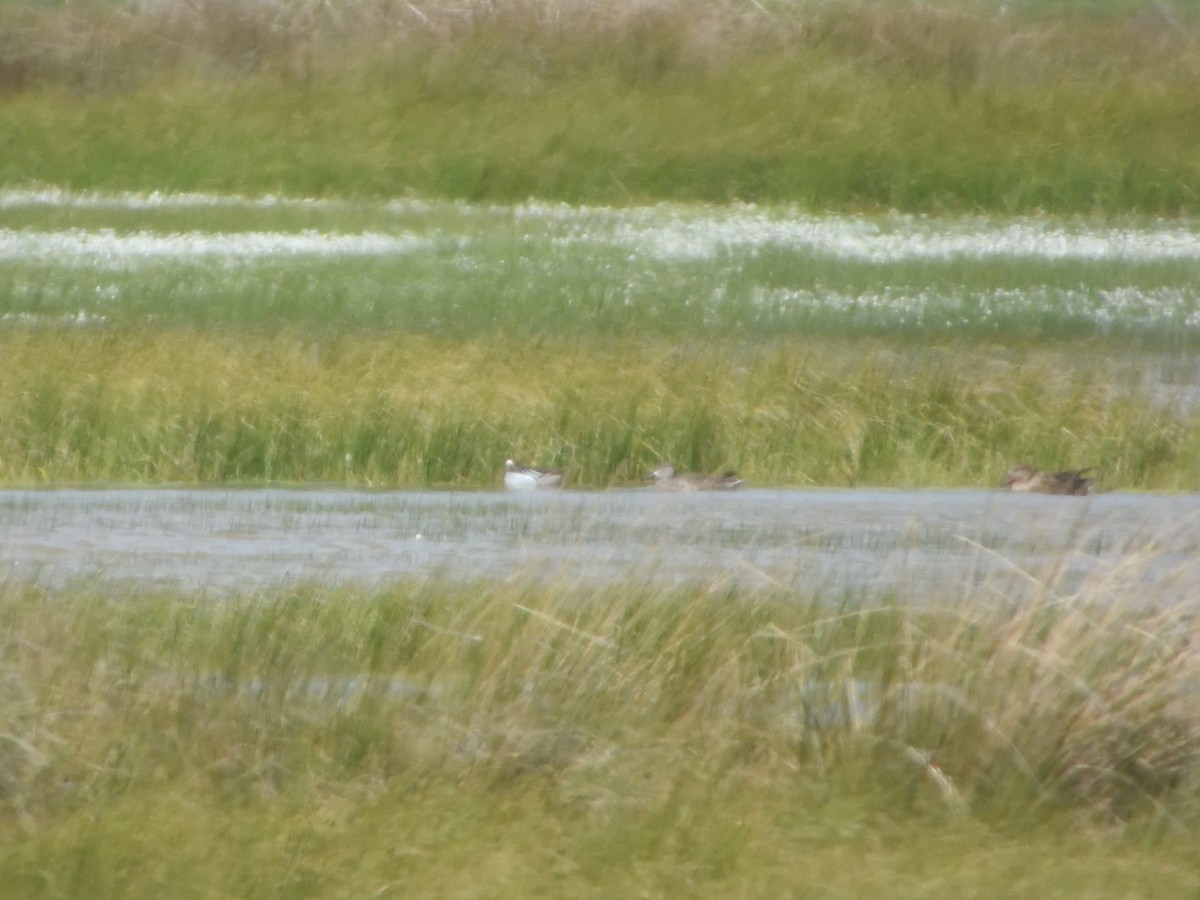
x,y
667,479
1024,478
520,477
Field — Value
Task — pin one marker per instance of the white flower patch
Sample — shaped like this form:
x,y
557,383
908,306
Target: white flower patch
x,y
110,249
81,319
1129,309
57,197
696,263
897,238
672,232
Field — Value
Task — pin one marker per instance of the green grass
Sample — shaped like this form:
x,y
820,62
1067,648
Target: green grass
x,y
504,739
1057,107
164,405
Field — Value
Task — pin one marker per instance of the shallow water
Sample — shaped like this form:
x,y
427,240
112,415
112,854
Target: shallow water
x,y
919,543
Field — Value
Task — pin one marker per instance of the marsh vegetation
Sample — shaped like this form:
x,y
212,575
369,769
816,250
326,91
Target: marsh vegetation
x,y
503,737
389,245
199,339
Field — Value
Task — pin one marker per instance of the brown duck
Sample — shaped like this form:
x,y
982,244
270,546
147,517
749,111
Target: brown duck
x,y
668,479
1028,479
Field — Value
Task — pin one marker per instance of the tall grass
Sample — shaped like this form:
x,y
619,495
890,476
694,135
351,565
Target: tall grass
x,y
155,405
516,738
827,105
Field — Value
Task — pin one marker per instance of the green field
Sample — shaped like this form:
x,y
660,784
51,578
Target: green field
x,y
952,106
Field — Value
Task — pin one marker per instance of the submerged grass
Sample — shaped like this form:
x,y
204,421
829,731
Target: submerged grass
x,y
500,739
916,107
164,405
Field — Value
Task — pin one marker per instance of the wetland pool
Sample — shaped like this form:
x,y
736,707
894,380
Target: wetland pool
x,y
922,543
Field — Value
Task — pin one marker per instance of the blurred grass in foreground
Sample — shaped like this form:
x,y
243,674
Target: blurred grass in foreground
x,y
168,405
505,739
956,106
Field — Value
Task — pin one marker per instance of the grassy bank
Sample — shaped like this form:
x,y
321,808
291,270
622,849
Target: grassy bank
x,y
169,405
957,107
508,739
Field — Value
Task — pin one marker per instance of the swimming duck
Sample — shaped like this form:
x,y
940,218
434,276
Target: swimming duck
x,y
1028,479
668,479
519,477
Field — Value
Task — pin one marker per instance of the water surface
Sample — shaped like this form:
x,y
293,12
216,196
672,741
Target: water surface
x,y
918,542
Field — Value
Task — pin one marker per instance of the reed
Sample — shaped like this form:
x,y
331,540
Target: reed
x,y
959,107
568,736
155,405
